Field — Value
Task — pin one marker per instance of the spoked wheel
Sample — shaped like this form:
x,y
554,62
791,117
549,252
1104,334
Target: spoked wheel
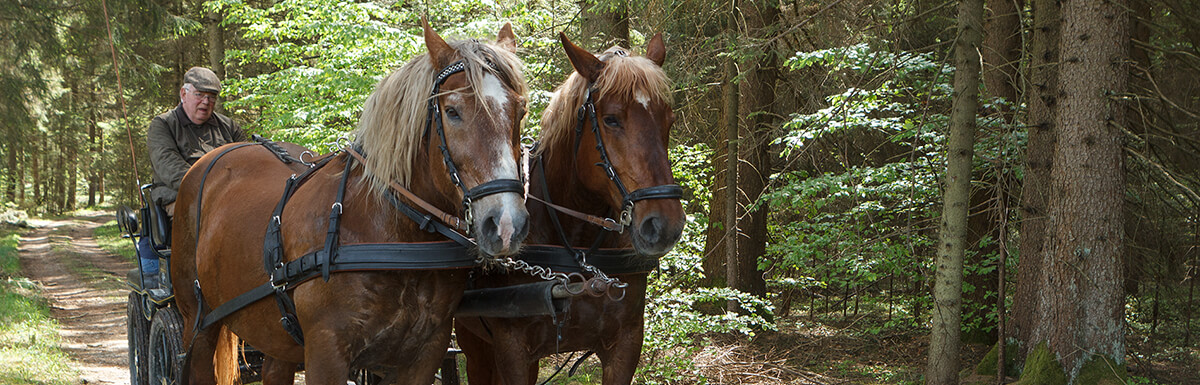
x,y
166,344
365,377
138,331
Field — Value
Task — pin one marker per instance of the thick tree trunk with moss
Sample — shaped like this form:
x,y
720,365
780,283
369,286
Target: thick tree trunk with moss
x,y
947,310
1042,98
1080,314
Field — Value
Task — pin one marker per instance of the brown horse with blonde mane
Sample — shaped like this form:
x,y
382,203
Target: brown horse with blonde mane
x,y
626,118
360,316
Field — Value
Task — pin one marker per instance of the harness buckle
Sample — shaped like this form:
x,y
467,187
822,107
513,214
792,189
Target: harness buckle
x,y
627,215
279,277
468,212
338,206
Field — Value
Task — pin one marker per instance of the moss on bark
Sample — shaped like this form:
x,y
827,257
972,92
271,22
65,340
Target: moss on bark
x,y
987,366
1041,368
1101,370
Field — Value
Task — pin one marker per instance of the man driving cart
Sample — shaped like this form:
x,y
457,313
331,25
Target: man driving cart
x,y
178,138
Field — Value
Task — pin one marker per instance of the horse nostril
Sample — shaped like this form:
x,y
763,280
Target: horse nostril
x,y
522,225
491,228
650,229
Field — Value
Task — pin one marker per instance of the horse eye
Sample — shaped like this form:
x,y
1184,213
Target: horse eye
x,y
612,121
452,113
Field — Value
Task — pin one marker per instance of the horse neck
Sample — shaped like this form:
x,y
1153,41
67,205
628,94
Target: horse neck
x,y
380,221
567,189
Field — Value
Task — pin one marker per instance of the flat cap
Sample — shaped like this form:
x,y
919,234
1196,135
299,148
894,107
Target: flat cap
x,y
203,79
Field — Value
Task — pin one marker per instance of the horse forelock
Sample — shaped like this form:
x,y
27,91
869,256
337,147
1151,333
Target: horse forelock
x,y
633,79
393,118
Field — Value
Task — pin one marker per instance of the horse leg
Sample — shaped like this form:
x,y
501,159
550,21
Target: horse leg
x,y
512,364
278,372
203,350
324,363
479,355
620,360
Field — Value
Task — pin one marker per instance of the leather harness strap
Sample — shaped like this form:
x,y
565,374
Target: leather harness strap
x,y
442,216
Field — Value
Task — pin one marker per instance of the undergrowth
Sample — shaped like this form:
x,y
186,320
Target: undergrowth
x,y
29,339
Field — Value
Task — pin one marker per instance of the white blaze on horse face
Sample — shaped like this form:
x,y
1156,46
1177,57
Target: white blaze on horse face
x,y
641,98
493,91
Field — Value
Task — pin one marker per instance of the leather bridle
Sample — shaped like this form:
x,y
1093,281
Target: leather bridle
x,y
628,199
492,187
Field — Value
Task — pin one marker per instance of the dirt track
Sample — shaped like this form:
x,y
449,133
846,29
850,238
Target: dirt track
x,y
83,285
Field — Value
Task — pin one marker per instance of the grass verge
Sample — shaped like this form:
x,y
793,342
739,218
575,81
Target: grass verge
x,y
108,236
29,339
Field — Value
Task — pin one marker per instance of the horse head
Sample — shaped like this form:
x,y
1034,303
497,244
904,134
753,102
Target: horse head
x,y
463,133
628,123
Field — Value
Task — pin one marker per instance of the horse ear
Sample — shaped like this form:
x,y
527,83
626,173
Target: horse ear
x,y
588,65
506,38
440,53
655,50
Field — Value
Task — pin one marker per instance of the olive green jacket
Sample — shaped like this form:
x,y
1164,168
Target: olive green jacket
x,y
175,144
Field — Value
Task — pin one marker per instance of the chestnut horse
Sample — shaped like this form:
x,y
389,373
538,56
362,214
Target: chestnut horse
x,y
628,131
399,319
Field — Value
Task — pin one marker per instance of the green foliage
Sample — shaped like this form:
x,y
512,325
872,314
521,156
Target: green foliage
x,y
867,215
324,58
327,57
674,323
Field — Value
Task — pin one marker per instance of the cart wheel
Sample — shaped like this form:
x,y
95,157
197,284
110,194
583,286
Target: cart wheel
x,y
166,344
138,330
365,377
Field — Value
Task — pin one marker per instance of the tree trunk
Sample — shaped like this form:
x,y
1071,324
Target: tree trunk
x,y
605,24
35,157
729,98
72,179
1081,309
1042,99
756,100
21,185
216,46
1002,51
947,310
715,243
60,188
10,190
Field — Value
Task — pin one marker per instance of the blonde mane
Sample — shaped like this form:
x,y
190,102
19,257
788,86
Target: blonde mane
x,y
623,77
393,118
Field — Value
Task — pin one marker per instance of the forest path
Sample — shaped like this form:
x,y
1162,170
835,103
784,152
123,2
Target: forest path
x,y
85,289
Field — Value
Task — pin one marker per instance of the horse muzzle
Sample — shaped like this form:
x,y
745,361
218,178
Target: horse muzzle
x,y
501,224
656,226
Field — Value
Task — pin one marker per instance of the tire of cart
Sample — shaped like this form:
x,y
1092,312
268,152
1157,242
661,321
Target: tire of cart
x,y
166,346
138,331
